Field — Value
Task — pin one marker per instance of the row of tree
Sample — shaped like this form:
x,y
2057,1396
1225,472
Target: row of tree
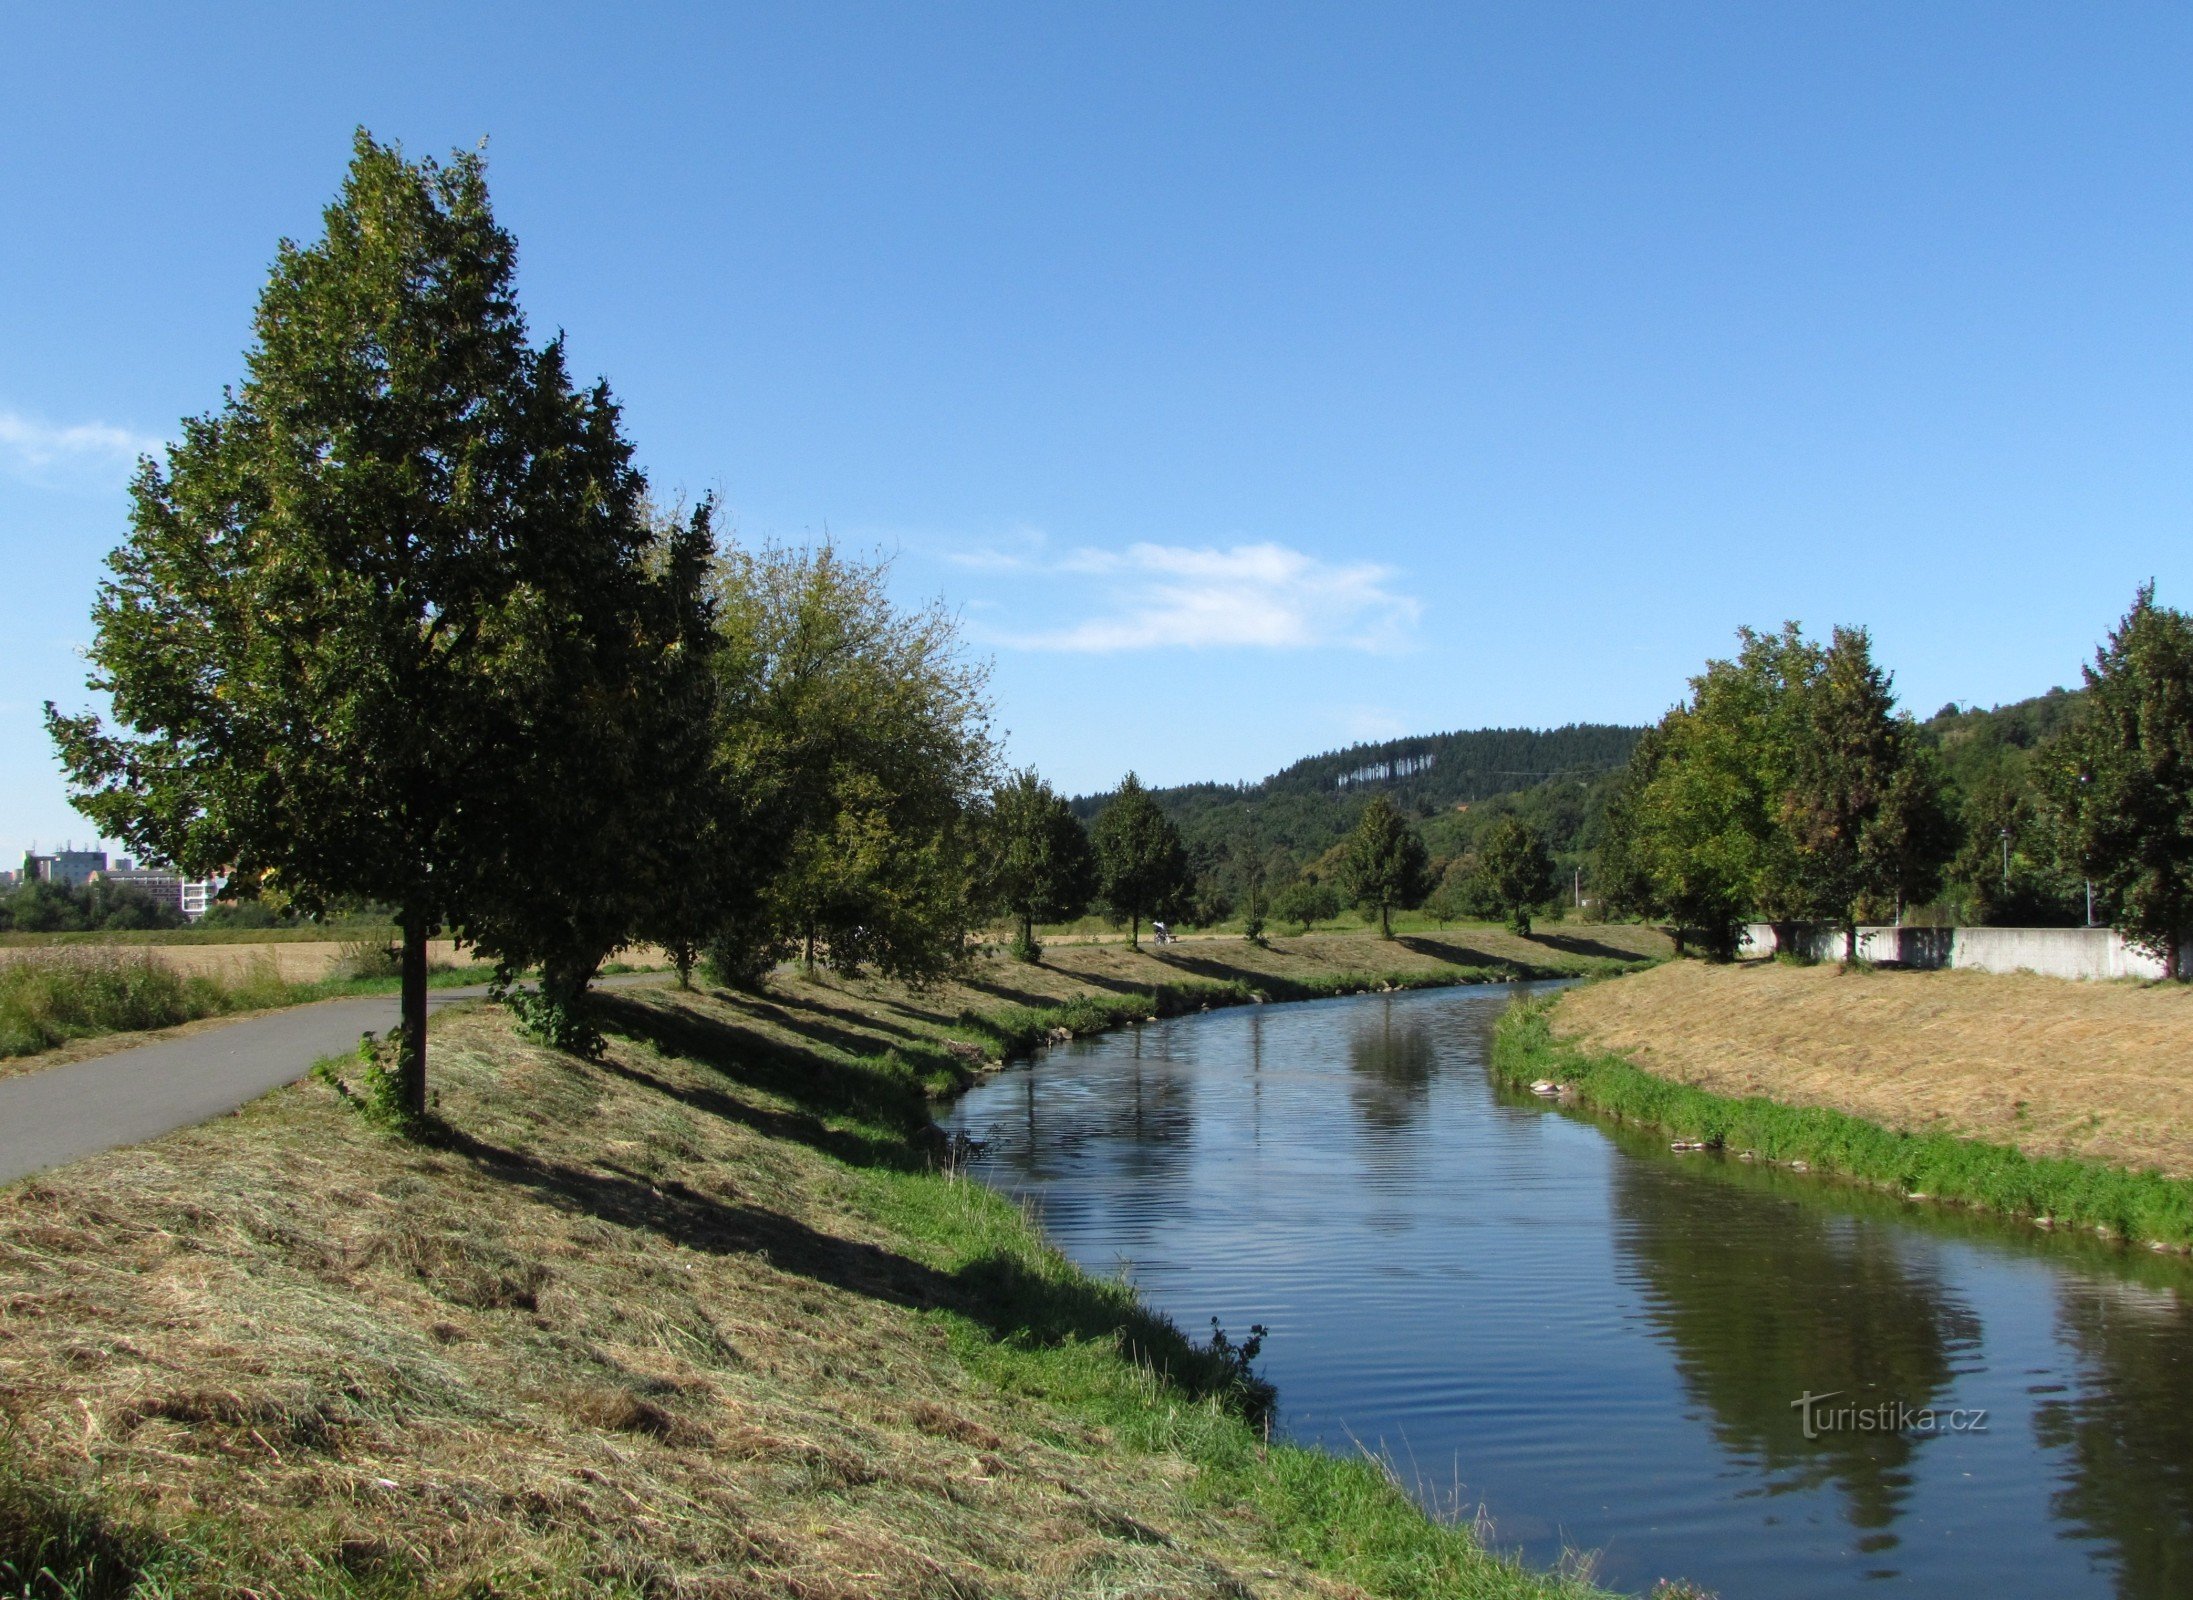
x,y
1788,788
399,624
37,906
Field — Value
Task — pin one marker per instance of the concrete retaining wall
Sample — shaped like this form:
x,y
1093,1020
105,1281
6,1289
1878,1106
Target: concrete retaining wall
x,y
2052,952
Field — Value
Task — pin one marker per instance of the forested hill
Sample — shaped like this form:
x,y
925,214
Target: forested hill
x,y
1309,805
1557,779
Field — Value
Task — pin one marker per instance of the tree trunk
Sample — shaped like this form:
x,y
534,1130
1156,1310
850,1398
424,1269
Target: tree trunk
x,y
1134,931
809,963
1385,922
411,1059
1028,936
1850,935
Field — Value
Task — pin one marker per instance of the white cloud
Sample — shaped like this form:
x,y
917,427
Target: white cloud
x,y
27,445
1255,596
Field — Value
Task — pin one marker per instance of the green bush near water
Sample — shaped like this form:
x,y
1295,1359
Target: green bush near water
x,y
2138,1206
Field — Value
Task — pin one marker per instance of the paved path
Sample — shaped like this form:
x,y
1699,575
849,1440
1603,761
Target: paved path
x,y
68,1112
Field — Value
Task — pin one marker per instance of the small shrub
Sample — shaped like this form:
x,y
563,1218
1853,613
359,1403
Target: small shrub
x,y
362,960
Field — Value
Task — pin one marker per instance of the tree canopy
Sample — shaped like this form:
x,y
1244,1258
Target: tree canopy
x,y
1040,863
2121,777
375,612
1383,868
1142,866
1787,786
1514,871
853,757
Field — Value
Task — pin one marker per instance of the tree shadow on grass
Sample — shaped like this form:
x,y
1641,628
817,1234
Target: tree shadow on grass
x,y
1003,1293
1577,945
713,1224
747,1055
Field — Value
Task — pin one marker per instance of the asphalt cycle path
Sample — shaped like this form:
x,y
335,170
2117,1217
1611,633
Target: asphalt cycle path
x,y
65,1113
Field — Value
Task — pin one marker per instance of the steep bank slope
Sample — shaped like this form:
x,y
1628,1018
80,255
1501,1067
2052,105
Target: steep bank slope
x,y
694,1319
2095,1071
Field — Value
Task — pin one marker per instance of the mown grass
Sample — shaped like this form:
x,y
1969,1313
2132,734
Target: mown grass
x,y
49,999
712,1315
2142,1207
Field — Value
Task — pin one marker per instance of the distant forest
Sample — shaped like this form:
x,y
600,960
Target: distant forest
x,y
1558,780
1454,784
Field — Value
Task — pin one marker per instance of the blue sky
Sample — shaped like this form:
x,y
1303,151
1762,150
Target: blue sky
x,y
1252,379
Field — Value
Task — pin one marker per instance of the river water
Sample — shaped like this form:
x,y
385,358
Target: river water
x,y
1593,1344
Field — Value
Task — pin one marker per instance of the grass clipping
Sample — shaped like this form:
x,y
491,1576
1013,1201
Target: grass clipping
x,y
690,1320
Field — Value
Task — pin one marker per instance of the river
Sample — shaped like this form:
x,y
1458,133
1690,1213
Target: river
x,y
1591,1344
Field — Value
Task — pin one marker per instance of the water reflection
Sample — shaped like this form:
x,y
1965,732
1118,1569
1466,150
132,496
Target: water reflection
x,y
2126,1434
1764,1299
1390,1066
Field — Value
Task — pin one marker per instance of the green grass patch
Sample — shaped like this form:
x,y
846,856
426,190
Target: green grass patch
x,y
2144,1207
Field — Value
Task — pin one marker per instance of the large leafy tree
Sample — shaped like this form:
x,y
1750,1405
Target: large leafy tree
x,y
371,610
1691,830
1787,785
854,755
1142,867
1040,862
1383,867
1863,807
2121,777
1515,870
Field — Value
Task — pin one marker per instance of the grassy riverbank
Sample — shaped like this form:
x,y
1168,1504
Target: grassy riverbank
x,y
698,1317
1931,1162
52,999
2093,1071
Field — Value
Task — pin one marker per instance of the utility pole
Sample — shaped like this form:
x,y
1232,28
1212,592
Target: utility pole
x,y
2006,855
2090,902
1579,888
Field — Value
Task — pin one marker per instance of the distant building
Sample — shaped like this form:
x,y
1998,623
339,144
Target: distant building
x,y
73,868
190,896
162,888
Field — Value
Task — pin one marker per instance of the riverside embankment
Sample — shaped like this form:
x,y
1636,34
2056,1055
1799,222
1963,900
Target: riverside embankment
x,y
699,1316
2062,1102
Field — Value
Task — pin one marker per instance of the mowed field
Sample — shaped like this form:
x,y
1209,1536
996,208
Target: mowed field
x,y
2102,1071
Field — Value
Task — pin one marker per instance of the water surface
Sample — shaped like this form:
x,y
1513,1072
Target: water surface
x,y
1595,1344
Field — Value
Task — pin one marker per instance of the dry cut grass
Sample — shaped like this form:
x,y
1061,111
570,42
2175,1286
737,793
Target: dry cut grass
x,y
2052,1067
691,1320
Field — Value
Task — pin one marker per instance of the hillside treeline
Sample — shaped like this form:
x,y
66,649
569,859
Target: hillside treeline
x,y
1281,841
